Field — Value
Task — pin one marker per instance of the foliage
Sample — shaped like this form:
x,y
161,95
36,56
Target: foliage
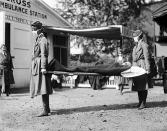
x,y
86,13
95,13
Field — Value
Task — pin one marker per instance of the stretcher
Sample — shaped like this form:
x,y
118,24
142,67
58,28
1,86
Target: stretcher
x,y
113,32
71,73
95,73
112,69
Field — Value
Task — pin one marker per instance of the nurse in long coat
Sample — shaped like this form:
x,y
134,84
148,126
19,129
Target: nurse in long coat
x,y
40,82
141,57
6,70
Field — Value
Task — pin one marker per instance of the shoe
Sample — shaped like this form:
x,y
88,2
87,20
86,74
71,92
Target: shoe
x,y
49,112
142,106
43,114
136,106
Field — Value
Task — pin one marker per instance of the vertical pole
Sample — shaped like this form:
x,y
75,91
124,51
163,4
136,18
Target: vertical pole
x,y
71,82
164,78
121,42
154,39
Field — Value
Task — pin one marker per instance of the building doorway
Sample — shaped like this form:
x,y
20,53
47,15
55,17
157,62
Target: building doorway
x,y
7,36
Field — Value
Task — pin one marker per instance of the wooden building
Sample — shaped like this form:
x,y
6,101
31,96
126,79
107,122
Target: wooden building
x,y
16,17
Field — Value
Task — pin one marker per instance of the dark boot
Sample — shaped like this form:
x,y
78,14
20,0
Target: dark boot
x,y
46,108
121,87
7,90
144,97
140,98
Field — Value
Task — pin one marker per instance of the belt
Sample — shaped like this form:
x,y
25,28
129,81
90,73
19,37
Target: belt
x,y
140,59
36,57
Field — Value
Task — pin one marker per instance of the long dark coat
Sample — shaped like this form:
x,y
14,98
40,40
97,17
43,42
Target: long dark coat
x,y
40,84
6,70
142,57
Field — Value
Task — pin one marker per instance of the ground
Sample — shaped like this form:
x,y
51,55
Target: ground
x,y
84,109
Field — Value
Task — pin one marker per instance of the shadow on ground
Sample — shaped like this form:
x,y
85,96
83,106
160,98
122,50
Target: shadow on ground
x,y
19,90
107,107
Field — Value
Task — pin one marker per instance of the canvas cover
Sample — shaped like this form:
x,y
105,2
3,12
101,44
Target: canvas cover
x,y
112,32
112,69
160,14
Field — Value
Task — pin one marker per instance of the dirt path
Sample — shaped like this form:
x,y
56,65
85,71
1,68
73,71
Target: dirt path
x,y
84,109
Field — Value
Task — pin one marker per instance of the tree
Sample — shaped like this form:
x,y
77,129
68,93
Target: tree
x,y
86,13
95,13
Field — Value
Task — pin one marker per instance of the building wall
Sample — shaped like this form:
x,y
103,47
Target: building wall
x,y
21,38
160,46
161,49
153,29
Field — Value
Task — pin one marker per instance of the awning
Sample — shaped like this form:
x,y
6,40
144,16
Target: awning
x,y
112,32
160,14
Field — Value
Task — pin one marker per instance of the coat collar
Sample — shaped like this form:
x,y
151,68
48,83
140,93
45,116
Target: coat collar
x,y
138,46
40,35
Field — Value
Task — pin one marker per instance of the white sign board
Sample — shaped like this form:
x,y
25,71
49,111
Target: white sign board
x,y
2,28
161,49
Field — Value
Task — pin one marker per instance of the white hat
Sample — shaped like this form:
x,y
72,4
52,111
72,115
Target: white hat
x,y
134,71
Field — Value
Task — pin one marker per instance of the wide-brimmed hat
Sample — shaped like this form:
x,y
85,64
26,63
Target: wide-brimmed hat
x,y
137,33
37,24
134,71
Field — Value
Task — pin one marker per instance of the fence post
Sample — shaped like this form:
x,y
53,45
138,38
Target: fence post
x,y
165,82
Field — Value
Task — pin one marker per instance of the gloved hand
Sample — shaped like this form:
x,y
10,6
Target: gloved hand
x,y
147,72
43,71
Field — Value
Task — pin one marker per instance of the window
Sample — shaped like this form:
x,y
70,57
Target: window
x,y
60,40
162,35
61,48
